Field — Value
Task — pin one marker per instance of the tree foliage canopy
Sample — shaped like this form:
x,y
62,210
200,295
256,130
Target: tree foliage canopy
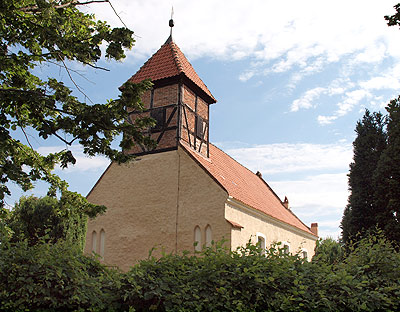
x,y
360,213
387,177
49,220
36,32
374,178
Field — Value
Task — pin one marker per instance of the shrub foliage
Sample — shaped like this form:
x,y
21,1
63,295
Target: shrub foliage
x,y
58,277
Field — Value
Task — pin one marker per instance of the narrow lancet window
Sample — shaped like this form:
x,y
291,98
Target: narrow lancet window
x,y
261,242
102,242
94,241
208,236
197,238
286,248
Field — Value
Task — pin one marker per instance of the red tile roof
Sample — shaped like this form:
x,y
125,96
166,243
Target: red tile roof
x,y
169,61
234,224
245,186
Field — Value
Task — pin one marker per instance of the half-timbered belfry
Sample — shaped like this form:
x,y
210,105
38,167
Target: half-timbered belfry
x,y
186,192
179,101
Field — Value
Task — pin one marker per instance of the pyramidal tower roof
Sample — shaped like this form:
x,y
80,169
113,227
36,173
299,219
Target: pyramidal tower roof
x,y
168,62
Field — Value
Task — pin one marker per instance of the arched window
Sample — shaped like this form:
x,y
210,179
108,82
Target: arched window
x,y
304,254
102,242
261,241
286,248
197,238
94,241
208,235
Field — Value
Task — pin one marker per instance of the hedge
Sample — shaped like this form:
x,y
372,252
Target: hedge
x,y
59,278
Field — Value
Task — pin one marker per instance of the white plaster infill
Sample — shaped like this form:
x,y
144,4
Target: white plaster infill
x,y
235,204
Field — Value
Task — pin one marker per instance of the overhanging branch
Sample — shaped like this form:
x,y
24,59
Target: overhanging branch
x,y
36,9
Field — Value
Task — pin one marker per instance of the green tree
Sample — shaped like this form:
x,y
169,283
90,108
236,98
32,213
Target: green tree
x,y
394,19
328,251
387,177
49,220
37,32
360,214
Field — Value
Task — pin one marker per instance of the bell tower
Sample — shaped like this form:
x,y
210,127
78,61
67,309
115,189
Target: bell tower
x,y
179,101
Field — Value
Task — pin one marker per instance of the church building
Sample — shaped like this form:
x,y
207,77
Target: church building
x,y
186,192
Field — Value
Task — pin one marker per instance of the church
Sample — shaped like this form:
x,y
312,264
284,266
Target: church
x,y
186,192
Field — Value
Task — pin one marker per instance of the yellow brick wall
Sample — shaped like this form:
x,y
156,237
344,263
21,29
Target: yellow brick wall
x,y
151,198
141,200
201,202
144,201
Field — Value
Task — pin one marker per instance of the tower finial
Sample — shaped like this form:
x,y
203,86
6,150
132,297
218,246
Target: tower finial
x,y
171,21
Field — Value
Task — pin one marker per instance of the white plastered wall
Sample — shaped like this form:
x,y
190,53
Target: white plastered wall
x,y
255,222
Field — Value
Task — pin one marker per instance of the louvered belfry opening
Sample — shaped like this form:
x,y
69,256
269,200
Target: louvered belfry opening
x,y
179,102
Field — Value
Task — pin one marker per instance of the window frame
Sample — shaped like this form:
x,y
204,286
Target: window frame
x,y
208,239
264,240
158,114
102,243
198,246
199,127
285,244
94,241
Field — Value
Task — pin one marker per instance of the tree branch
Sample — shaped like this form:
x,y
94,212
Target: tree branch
x,y
109,2
36,9
94,66
72,70
70,77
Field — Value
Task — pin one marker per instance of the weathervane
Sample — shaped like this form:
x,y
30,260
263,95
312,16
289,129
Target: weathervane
x,y
171,21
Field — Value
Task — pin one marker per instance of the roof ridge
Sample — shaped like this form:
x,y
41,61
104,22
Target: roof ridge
x,y
148,60
178,63
266,184
234,159
170,62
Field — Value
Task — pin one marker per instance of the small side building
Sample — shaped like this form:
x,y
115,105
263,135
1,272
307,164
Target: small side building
x,y
186,192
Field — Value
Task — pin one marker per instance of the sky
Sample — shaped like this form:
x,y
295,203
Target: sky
x,y
291,79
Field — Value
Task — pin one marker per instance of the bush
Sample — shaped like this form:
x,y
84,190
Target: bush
x,y
58,277
53,278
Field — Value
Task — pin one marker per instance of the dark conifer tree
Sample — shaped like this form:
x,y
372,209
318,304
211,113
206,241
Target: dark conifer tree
x,y
387,177
360,213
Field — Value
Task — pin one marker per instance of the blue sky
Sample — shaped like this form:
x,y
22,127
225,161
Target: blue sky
x,y
291,79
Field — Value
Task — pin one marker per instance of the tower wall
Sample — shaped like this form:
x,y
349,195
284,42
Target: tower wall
x,y
185,117
164,100
193,107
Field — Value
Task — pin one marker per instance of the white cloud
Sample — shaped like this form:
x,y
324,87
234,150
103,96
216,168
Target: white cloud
x,y
352,98
318,198
326,120
246,76
292,30
83,162
307,100
301,157
317,191
320,191
302,38
387,80
357,94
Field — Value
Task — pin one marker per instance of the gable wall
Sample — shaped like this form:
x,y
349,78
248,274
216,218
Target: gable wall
x,y
141,200
274,231
143,205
